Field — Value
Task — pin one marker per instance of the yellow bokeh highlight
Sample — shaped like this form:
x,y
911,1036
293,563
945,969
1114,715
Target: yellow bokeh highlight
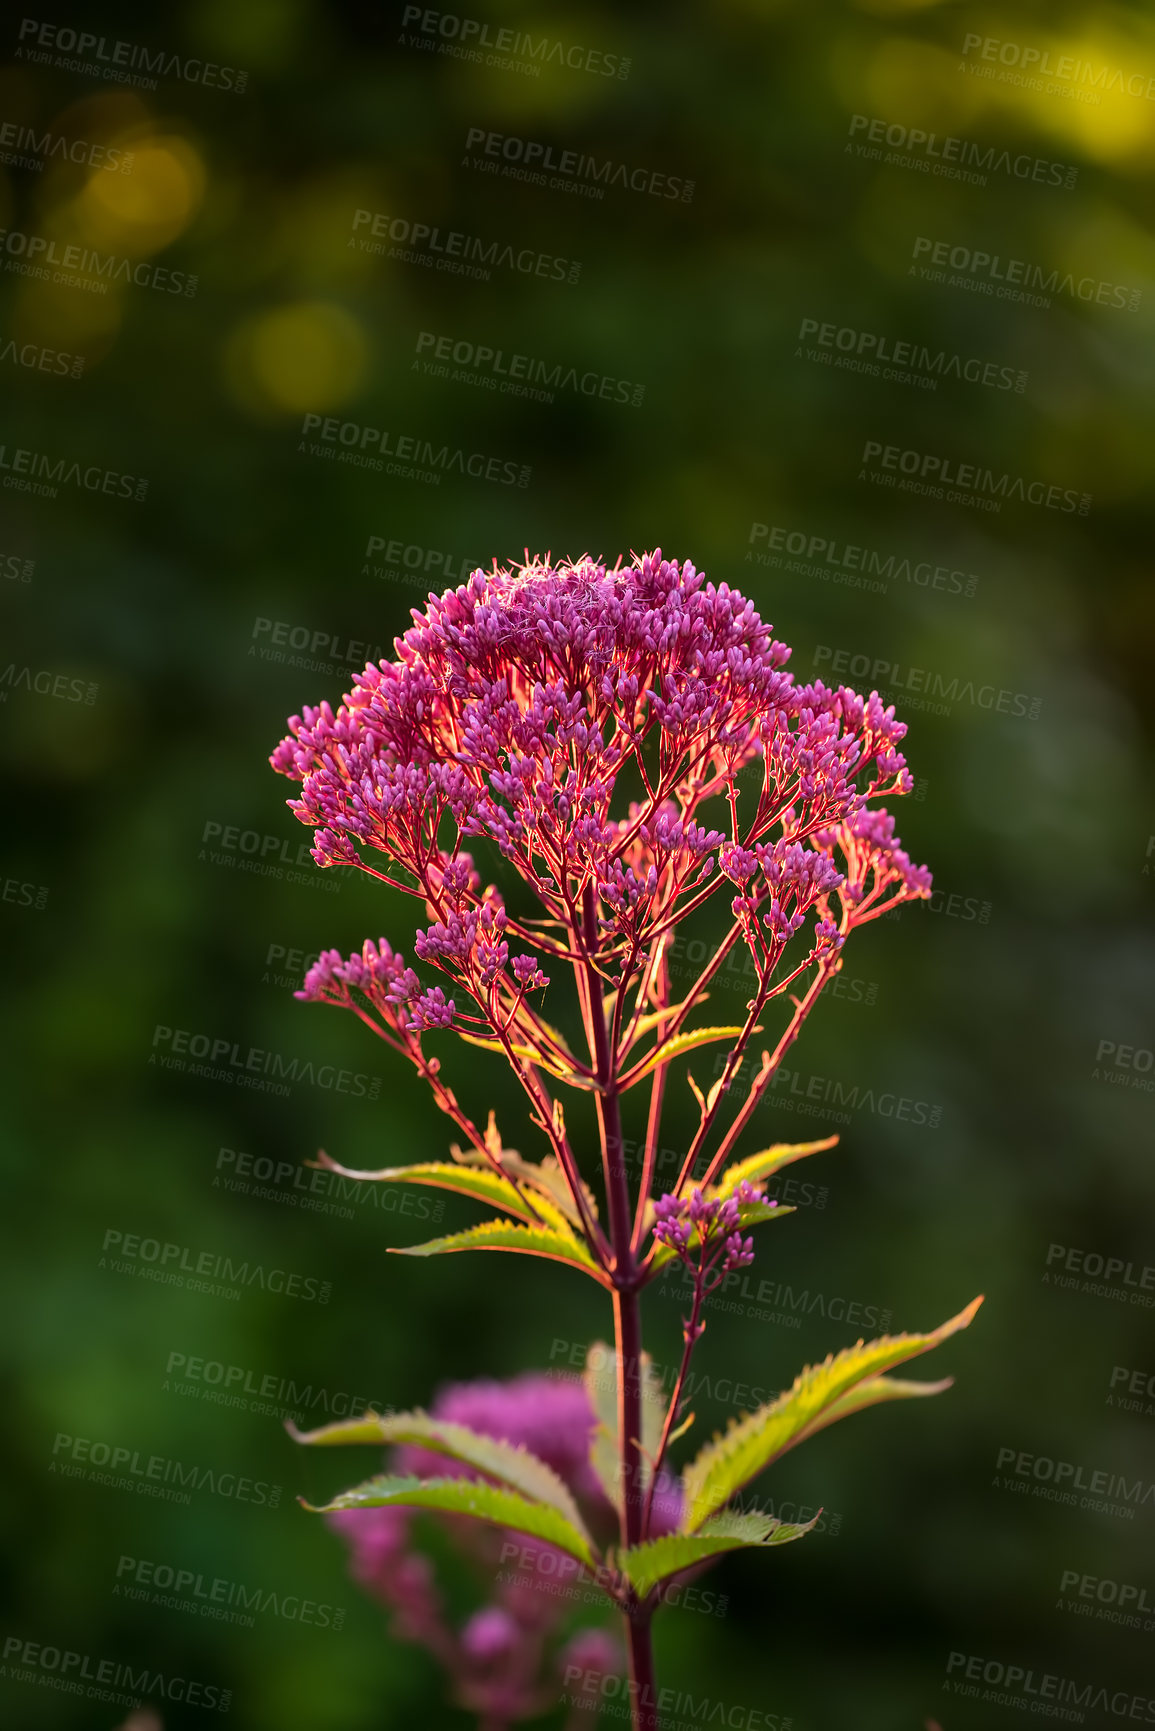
x,y
310,355
1098,107
59,317
895,8
140,212
918,84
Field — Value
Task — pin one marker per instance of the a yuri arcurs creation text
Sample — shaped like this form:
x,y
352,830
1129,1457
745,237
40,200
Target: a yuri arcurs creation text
x,y
620,746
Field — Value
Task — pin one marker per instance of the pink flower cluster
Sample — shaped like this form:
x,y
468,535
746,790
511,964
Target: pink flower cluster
x,y
704,1233
518,707
507,1658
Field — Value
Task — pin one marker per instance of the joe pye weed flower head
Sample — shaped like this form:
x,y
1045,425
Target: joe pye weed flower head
x,y
622,746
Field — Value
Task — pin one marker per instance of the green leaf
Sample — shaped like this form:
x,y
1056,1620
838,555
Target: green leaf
x,y
751,1443
466,1497
874,1392
653,1017
549,1181
556,1245
479,1182
513,1466
674,1048
601,1384
541,1060
644,1566
749,1214
763,1165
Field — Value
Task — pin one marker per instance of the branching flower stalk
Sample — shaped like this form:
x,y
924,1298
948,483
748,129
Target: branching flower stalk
x,y
631,744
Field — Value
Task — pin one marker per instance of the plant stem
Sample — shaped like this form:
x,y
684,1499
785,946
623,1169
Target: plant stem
x,y
645,1696
691,1333
628,1339
627,1320
628,1357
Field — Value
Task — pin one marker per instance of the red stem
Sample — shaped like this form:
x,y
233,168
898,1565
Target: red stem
x,y
690,1335
627,1321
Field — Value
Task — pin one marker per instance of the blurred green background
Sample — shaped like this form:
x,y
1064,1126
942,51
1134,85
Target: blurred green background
x,y
1007,1010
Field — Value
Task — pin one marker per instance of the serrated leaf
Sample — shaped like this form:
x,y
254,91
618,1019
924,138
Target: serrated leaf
x,y
513,1465
653,1017
556,1245
874,1392
674,1048
750,1444
749,1214
546,1179
480,1182
758,1166
550,1182
645,1566
466,1497
541,1060
601,1385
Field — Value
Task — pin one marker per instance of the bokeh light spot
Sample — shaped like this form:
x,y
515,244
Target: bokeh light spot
x,y
311,355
